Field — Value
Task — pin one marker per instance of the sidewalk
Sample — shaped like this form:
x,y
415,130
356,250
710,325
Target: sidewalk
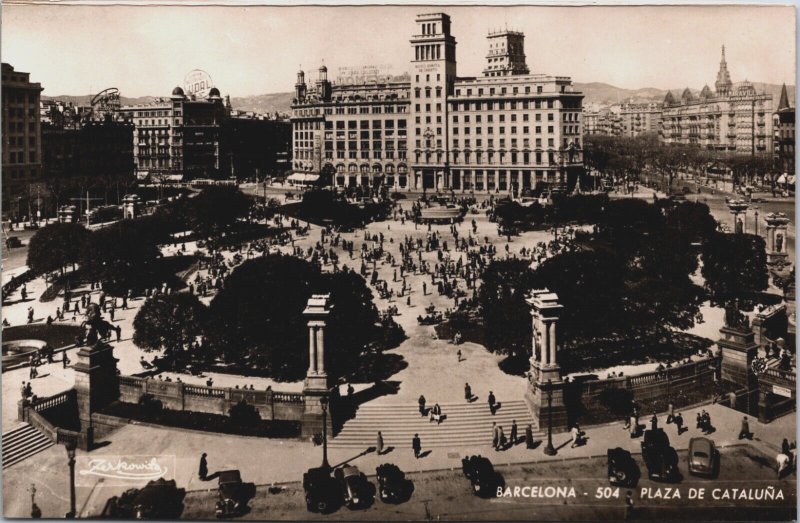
x,y
266,461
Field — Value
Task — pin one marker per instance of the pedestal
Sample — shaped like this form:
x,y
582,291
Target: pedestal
x,y
311,421
738,348
536,397
96,383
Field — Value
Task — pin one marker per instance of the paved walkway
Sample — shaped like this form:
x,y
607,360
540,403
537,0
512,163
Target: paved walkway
x,y
265,461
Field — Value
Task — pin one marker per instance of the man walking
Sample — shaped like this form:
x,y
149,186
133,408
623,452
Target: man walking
x,y
416,444
421,405
495,435
379,444
467,392
679,423
529,436
513,436
203,472
492,402
744,432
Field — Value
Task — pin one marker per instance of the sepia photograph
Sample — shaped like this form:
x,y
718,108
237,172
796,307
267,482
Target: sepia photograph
x,y
398,262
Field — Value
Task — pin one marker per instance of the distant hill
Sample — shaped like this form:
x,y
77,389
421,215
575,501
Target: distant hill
x,y
594,92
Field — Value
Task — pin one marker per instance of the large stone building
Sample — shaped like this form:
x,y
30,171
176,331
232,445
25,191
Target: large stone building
x,y
433,130
78,155
783,123
640,118
178,138
733,118
23,190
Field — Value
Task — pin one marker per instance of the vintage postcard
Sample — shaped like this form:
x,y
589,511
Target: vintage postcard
x,y
398,262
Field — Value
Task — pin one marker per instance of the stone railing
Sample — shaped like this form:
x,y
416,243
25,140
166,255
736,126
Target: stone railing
x,y
779,377
215,400
42,404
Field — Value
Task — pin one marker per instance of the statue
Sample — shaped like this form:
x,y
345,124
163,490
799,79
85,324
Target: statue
x,y
779,242
734,317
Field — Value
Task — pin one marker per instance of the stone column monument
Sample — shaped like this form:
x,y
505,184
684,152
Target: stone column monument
x,y
130,206
545,312
777,224
738,349
316,386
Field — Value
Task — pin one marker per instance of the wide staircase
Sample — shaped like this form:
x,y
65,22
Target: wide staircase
x,y
466,424
22,443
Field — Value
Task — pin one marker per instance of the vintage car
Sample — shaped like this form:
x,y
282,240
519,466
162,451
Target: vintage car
x,y
393,486
323,493
159,499
703,457
233,494
357,491
13,241
622,468
481,474
659,457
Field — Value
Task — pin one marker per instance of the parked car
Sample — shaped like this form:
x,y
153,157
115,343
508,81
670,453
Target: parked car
x,y
323,493
703,457
659,457
622,468
481,474
233,494
159,499
13,241
357,491
393,486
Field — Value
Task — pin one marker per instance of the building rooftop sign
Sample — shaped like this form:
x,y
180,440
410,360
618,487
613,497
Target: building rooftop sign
x,y
197,83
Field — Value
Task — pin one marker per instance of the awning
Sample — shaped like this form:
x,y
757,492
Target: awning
x,y
303,178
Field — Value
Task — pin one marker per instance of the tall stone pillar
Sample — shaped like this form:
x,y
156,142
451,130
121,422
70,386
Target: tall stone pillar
x,y
545,312
777,224
738,349
316,386
96,385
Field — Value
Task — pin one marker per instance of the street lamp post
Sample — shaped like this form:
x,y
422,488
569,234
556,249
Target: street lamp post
x,y
323,401
549,449
756,210
71,445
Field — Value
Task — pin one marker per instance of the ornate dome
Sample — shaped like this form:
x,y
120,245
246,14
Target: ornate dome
x,y
214,93
706,92
687,95
177,92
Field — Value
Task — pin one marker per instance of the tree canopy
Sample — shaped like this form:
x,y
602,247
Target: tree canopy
x,y
217,208
257,319
734,265
55,246
169,322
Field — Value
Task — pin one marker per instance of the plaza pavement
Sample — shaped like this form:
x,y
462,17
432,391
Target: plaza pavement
x,y
267,461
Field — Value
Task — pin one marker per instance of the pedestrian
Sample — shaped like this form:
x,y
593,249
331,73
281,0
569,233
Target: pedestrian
x,y
379,444
576,436
118,330
513,436
529,436
783,463
459,355
744,431
23,389
64,360
416,444
495,435
679,423
502,442
350,390
785,446
467,392
670,413
492,402
203,472
424,289
629,505
111,313
421,402
30,314
654,422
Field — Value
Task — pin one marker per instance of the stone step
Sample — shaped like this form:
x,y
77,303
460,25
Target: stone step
x,y
21,443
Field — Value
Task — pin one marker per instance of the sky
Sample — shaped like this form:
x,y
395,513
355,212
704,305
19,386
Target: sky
x,y
147,50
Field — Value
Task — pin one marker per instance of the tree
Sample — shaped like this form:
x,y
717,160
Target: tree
x,y
169,322
122,256
692,219
55,246
734,265
216,208
257,318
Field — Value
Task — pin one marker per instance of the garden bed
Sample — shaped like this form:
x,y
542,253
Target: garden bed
x,y
202,421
